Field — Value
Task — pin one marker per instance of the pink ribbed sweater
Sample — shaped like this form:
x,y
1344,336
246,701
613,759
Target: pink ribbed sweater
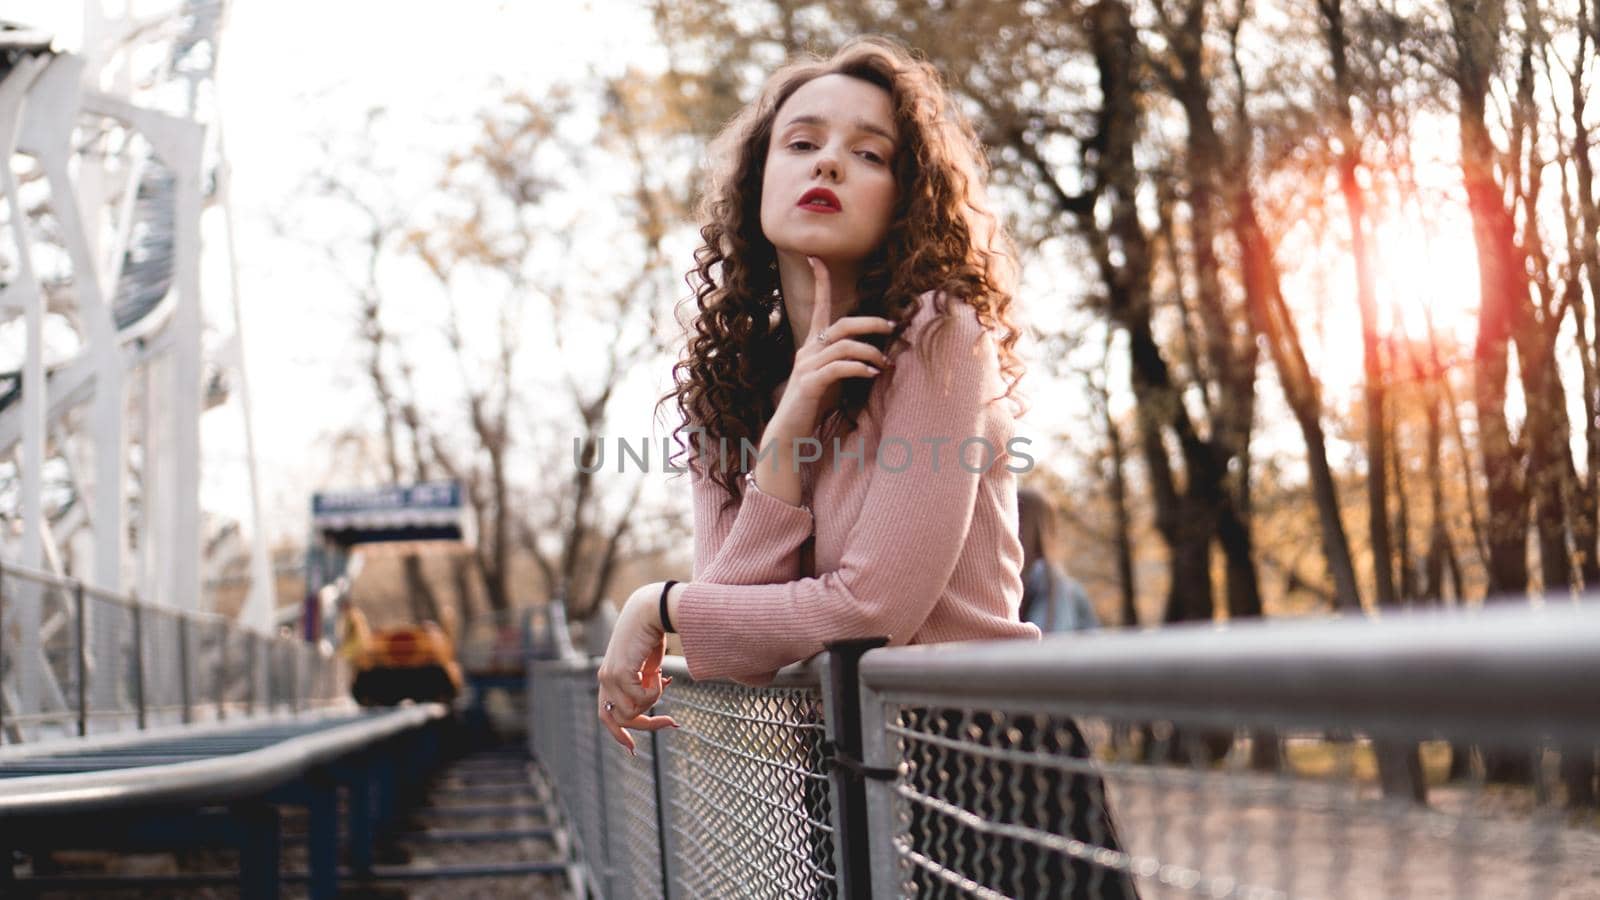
x,y
923,555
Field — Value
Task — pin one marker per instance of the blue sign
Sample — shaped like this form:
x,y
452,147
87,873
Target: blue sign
x,y
429,495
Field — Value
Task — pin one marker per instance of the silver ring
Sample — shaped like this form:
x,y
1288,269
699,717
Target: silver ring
x,y
609,706
822,336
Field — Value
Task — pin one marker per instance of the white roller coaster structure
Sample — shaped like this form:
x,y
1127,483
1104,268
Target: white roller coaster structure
x,y
113,152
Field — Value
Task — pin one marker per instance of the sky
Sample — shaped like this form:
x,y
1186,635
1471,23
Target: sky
x,y
293,73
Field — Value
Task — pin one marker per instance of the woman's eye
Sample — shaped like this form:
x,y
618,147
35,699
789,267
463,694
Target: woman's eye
x,y
800,145
871,157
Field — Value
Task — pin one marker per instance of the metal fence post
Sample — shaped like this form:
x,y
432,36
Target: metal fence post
x,y
138,662
269,648
658,745
185,697
80,634
222,669
881,751
601,866
2,657
846,771
250,644
294,679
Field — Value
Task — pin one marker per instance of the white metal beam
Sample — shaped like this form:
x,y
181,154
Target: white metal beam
x,y
13,99
52,115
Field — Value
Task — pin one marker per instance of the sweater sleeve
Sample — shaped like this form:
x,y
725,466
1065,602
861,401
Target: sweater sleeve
x,y
756,540
900,552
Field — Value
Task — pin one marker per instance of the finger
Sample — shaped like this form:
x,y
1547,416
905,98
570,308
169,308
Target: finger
x,y
617,733
652,662
650,723
860,325
821,296
845,368
655,684
627,710
848,349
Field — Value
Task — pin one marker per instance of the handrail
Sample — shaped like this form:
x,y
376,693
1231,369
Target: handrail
x,y
214,779
1468,674
1270,758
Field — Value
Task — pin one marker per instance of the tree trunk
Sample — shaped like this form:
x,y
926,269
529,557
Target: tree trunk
x,y
1584,246
424,605
461,572
1233,534
1550,472
1263,299
1270,316
1122,521
1503,291
1439,550
1355,204
1186,521
1406,590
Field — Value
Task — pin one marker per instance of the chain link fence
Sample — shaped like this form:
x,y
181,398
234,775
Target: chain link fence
x,y
1425,755
735,798
75,660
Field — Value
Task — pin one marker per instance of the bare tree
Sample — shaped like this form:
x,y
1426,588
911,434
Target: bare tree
x,y
1355,200
506,213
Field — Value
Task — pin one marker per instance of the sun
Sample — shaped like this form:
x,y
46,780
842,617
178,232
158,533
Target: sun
x,y
1426,272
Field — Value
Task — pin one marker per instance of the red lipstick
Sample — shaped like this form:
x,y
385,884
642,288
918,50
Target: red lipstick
x,y
820,200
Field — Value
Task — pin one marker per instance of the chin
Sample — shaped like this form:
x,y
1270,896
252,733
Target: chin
x,y
823,247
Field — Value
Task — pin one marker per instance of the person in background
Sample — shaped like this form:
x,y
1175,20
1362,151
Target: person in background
x,y
1051,599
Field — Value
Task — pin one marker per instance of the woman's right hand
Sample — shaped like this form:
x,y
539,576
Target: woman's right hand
x,y
819,364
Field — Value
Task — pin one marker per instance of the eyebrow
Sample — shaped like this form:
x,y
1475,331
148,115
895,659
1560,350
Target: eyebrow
x,y
861,124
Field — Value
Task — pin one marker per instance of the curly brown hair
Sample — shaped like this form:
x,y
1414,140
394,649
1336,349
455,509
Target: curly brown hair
x,y
942,238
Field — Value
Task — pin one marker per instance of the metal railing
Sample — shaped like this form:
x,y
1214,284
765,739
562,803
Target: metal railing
x,y
99,662
1424,755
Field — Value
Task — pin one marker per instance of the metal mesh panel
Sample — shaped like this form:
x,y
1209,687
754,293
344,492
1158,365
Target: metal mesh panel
x,y
322,684
58,699
260,663
75,659
163,665
38,656
205,661
237,673
1001,805
588,807
113,677
1307,814
492,643
1021,804
635,839
564,729
749,808
282,678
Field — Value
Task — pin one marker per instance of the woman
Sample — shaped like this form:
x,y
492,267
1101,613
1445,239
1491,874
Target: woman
x,y
1051,599
853,290
849,384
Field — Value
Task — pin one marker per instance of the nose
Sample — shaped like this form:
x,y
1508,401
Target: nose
x,y
827,166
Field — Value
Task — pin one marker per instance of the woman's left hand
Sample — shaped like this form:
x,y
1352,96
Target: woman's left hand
x,y
630,675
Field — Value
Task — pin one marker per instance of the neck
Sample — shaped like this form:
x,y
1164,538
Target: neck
x,y
799,291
